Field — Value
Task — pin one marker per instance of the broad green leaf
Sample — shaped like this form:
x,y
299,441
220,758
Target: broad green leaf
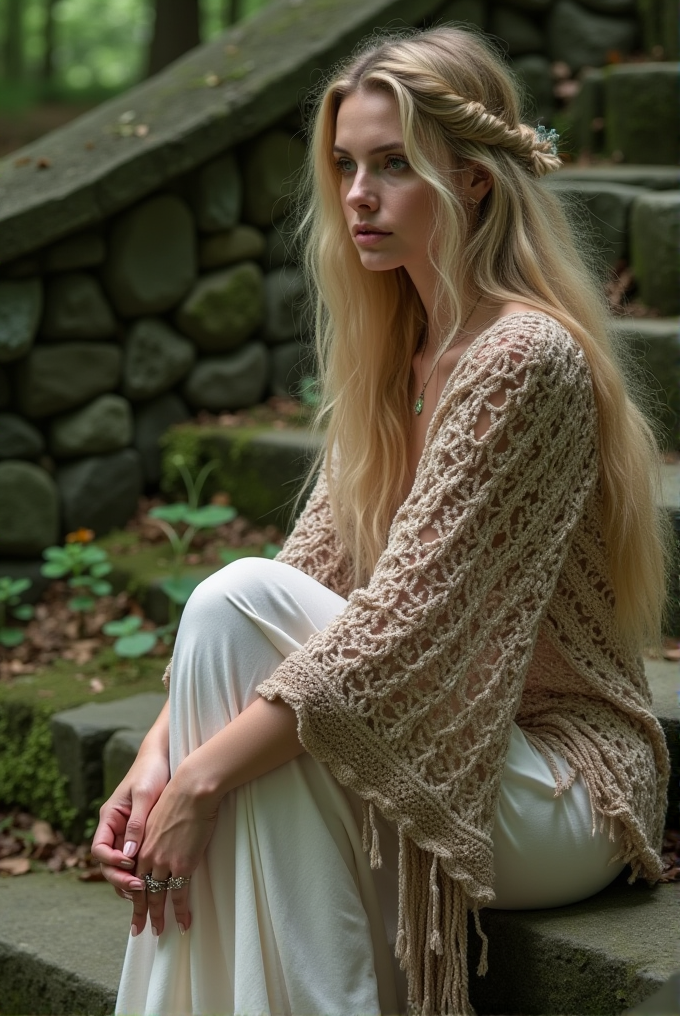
x,y
135,645
55,569
126,626
94,555
270,550
179,590
210,515
81,603
14,587
56,554
100,587
10,637
100,570
172,513
24,612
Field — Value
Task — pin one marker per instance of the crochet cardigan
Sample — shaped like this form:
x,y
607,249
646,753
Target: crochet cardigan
x,y
409,694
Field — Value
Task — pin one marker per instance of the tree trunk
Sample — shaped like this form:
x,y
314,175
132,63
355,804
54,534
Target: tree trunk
x,y
13,43
176,30
48,43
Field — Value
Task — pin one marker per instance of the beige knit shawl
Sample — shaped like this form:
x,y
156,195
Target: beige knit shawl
x,y
408,696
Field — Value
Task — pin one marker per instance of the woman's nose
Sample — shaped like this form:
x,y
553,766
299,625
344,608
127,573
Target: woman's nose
x,y
362,194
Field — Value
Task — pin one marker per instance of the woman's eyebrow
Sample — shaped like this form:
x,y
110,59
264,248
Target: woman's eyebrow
x,y
374,151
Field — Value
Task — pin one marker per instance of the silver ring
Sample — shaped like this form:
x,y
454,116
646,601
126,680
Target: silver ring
x,y
154,885
178,881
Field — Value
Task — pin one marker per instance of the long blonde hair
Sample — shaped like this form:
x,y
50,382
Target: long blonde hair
x,y
456,98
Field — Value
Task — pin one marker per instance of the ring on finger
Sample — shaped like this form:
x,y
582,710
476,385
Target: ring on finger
x,y
178,881
155,885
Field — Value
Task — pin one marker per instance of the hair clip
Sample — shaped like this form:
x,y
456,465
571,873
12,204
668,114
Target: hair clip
x,y
551,136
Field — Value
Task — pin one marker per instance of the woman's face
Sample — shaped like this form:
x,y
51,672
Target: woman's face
x,y
388,207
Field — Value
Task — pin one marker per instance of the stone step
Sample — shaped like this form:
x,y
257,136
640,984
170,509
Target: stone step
x,y
62,944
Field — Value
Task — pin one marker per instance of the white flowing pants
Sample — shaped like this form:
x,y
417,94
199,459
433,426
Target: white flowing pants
x,y
288,919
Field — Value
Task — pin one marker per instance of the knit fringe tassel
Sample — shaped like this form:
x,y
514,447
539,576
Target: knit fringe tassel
x,y
432,930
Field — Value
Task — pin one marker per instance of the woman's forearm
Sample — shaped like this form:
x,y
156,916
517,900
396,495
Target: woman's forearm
x,y
259,739
157,740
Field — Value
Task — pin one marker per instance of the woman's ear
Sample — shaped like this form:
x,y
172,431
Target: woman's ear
x,y
477,182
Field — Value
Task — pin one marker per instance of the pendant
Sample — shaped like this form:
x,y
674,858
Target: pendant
x,y
420,401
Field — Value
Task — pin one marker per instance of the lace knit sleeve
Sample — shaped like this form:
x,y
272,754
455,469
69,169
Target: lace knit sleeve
x,y
314,546
409,694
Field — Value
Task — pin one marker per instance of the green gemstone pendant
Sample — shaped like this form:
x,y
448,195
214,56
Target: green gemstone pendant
x,y
420,401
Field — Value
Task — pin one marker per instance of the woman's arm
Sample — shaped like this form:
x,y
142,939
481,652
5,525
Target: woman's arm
x,y
178,830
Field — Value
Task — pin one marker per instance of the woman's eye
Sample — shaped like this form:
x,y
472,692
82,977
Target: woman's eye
x,y
344,165
396,162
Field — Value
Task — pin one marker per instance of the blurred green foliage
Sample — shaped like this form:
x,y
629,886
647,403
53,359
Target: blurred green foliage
x,y
99,46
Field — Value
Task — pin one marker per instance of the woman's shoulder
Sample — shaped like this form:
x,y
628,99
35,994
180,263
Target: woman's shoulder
x,y
530,336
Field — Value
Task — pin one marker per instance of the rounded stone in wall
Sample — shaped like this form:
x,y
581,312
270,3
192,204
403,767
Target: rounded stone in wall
x,y
84,250
270,165
290,362
216,194
100,492
152,257
284,297
242,243
21,304
152,420
19,439
236,381
155,358
29,509
104,425
52,379
655,249
521,34
76,308
224,308
582,38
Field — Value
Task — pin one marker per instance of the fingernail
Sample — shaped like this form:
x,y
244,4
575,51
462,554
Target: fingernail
x,y
129,848
134,931
154,930
127,864
182,929
136,886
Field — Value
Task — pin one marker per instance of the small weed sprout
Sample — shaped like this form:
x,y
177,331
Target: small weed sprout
x,y
11,606
85,565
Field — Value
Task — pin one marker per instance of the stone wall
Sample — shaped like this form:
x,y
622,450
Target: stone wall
x,y
144,271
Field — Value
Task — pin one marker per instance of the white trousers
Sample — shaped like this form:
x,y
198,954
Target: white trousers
x,y
288,919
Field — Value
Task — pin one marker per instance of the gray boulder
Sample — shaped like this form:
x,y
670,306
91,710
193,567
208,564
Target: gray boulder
x,y
29,509
655,249
76,308
20,309
224,308
19,439
52,379
104,425
521,34
607,207
84,250
101,492
284,299
4,389
152,257
290,362
242,243
269,167
642,113
152,421
473,12
236,381
535,74
155,358
582,38
650,351
216,194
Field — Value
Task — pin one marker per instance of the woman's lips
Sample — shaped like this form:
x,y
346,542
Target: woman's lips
x,y
367,238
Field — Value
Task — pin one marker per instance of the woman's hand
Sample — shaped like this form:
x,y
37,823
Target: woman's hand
x,y
177,832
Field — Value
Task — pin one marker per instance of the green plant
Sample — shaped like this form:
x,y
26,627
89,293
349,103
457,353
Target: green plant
x,y
130,640
180,522
10,593
85,564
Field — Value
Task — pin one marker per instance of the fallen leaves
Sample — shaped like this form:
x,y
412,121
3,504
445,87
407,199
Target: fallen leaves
x,y
15,865
670,856
31,844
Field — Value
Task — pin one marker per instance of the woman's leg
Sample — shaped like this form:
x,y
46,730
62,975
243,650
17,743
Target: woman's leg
x,y
545,852
285,916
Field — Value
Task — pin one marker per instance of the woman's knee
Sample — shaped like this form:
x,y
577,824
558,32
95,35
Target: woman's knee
x,y
243,581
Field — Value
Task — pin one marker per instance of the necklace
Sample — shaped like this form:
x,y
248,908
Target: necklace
x,y
420,401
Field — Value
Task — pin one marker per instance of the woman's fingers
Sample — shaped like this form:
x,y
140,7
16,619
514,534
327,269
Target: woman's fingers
x,y
155,903
123,880
180,903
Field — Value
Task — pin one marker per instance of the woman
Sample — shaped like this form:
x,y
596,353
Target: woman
x,y
449,643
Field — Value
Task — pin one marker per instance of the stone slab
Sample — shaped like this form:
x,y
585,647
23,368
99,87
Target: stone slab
x,y
61,945
120,752
653,177
80,735
651,353
205,103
